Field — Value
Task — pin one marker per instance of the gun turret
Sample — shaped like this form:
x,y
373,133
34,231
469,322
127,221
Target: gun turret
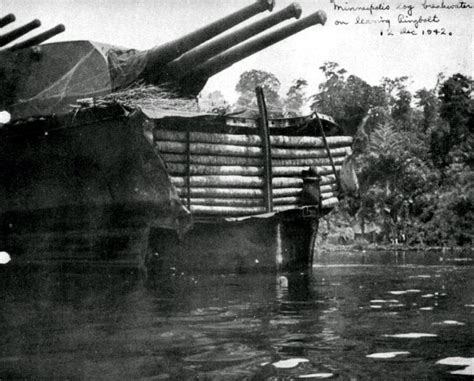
x,y
159,56
194,81
181,66
52,77
18,32
7,20
42,37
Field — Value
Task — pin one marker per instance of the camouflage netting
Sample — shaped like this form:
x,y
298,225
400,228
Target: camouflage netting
x,y
142,97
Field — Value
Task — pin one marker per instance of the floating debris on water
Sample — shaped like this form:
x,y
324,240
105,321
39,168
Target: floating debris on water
x,y
386,355
468,362
317,375
289,363
411,335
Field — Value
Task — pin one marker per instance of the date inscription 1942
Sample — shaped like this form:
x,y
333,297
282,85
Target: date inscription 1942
x,y
423,18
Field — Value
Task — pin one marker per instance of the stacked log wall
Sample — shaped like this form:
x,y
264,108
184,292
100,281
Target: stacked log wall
x,y
222,174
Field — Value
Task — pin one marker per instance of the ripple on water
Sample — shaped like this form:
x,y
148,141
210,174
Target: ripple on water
x,y
411,335
387,355
226,353
289,363
316,375
468,362
384,301
402,292
449,322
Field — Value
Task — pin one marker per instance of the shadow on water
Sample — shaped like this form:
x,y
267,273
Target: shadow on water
x,y
324,323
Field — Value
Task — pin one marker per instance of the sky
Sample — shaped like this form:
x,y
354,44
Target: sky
x,y
362,41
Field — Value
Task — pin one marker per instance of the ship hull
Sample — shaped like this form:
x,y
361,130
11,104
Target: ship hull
x,y
122,236
283,242
98,188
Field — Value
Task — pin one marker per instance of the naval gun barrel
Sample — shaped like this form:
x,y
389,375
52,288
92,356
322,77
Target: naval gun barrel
x,y
181,66
18,32
231,56
7,19
159,56
42,37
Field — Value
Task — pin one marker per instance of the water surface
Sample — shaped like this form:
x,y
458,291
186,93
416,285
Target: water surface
x,y
355,316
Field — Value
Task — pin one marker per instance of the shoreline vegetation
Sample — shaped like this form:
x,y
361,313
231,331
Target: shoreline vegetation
x,y
335,235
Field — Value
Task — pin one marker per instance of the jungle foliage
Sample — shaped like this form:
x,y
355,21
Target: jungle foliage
x,y
414,154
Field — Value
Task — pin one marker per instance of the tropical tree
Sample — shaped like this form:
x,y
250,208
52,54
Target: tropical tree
x,y
295,97
347,98
214,102
270,84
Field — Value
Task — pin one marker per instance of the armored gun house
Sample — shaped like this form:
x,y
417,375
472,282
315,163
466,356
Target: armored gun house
x,y
107,160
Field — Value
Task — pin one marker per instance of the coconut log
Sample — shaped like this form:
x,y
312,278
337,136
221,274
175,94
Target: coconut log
x,y
226,201
181,169
227,210
233,150
243,181
252,140
328,188
308,161
330,202
242,201
235,211
235,181
327,195
251,161
201,192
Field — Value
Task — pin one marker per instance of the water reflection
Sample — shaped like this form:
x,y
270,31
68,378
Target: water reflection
x,y
340,321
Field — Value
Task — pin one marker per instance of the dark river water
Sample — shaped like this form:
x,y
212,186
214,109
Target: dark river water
x,y
355,316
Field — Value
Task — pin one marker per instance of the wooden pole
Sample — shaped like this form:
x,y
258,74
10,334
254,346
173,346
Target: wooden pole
x,y
323,135
188,167
267,150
